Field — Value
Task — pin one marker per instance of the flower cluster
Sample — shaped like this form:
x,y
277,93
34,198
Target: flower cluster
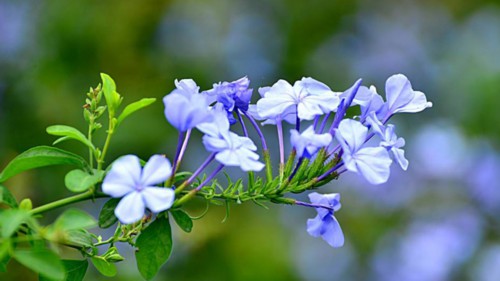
x,y
330,145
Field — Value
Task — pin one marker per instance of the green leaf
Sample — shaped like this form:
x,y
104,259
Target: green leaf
x,y
7,198
107,215
68,132
43,261
79,237
74,219
105,268
80,181
40,156
113,99
133,107
75,269
11,219
183,220
154,247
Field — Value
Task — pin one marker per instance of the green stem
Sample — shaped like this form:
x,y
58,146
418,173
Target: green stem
x,y
106,145
67,201
91,151
269,167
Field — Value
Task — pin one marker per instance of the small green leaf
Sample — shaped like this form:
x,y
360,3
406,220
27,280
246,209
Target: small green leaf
x,y
107,215
11,219
43,261
133,107
79,237
112,255
183,220
105,268
113,99
75,269
7,198
154,247
68,132
74,219
80,181
40,156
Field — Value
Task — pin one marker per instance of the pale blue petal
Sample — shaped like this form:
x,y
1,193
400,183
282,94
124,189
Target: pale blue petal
x,y
214,144
248,161
416,104
218,125
123,177
373,163
276,100
399,156
398,92
156,170
308,109
130,209
353,133
158,199
332,233
314,226
227,157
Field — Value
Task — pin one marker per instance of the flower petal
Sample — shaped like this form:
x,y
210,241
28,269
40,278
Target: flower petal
x,y
130,209
332,233
158,199
352,133
123,177
373,163
314,226
156,170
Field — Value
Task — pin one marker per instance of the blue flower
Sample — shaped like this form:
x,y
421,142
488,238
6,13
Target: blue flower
x,y
369,101
402,98
373,163
230,149
137,186
390,140
308,143
289,115
309,96
325,224
185,107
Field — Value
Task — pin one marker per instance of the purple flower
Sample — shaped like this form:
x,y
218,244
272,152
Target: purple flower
x,y
308,143
185,107
402,98
373,163
232,94
309,96
325,224
137,186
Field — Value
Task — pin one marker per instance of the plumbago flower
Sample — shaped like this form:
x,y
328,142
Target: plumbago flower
x,y
233,96
229,148
185,107
372,163
310,98
325,224
389,140
137,186
308,142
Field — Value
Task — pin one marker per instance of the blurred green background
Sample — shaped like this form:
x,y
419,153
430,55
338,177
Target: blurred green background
x,y
438,221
